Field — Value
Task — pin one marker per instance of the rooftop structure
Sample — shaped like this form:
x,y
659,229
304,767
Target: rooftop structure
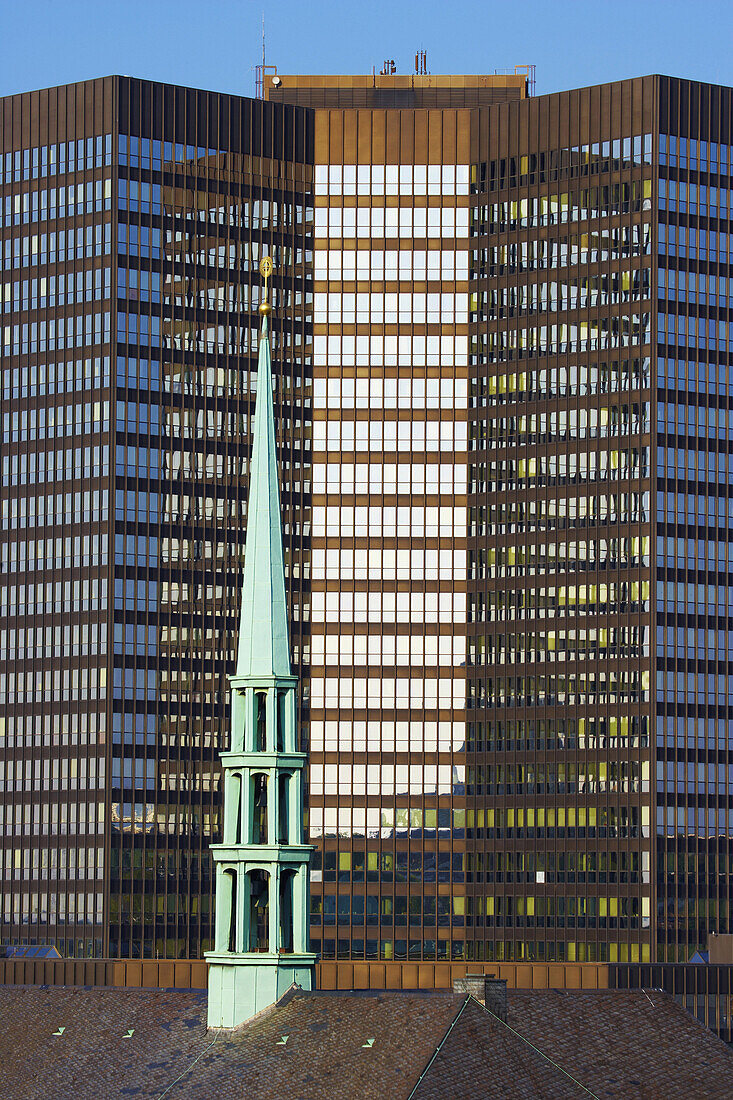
x,y
397,90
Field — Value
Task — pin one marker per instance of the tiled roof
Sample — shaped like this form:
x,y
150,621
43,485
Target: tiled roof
x,y
329,1046
632,1045
91,1058
635,1043
326,1054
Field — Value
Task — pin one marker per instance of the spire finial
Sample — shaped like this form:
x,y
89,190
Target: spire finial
x,y
265,272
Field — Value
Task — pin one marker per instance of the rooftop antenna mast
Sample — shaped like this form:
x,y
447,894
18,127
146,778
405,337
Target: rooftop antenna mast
x,y
262,70
421,63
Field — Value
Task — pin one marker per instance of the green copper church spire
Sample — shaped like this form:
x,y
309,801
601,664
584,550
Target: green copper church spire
x,y
263,627
261,936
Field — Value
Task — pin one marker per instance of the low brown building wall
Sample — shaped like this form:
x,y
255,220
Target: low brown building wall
x,y
191,974
384,975
150,973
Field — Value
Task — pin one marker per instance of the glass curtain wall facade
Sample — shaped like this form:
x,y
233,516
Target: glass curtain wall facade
x,y
561,528
694,518
58,406
480,786
586,814
389,600
121,581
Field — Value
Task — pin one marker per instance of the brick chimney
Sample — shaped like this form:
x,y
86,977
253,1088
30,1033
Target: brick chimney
x,y
488,989
495,996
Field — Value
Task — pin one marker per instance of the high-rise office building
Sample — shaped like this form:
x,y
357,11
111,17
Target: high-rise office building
x,y
133,217
507,550
518,737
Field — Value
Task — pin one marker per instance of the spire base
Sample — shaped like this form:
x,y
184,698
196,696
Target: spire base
x,y
240,986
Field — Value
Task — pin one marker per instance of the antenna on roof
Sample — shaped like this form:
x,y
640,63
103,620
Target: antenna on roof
x,y
261,71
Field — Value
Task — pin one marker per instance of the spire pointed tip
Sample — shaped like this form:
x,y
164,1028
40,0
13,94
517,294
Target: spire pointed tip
x,y
263,635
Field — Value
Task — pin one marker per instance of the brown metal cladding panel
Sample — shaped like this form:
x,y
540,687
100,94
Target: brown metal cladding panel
x,y
436,137
377,154
406,135
364,137
328,136
328,976
421,122
392,137
393,975
350,121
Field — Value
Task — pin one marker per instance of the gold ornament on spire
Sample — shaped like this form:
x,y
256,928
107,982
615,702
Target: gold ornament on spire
x,y
265,272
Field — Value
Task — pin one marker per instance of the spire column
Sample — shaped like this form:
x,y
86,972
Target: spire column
x,y
272,806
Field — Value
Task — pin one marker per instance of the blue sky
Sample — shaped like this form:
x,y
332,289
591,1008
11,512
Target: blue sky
x,y
215,43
